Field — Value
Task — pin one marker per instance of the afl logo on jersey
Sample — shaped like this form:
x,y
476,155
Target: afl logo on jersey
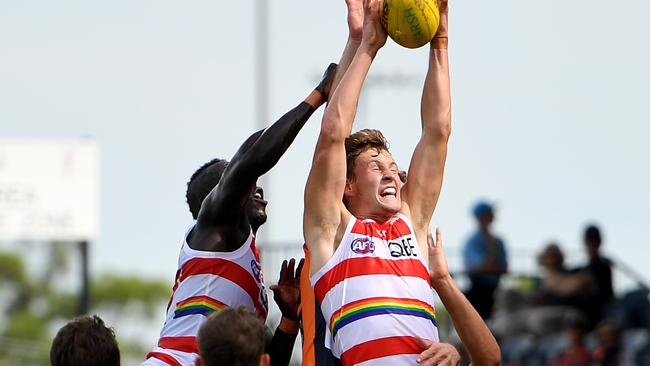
x,y
362,245
257,271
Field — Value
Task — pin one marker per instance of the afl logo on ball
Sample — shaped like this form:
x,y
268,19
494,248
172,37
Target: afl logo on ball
x,y
363,246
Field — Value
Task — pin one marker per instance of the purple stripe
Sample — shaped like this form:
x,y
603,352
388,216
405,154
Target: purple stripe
x,y
372,312
194,311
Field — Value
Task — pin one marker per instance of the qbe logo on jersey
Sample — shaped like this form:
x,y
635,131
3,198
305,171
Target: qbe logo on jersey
x,y
362,245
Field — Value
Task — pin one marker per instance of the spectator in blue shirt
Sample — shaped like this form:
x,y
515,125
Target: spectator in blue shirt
x,y
485,261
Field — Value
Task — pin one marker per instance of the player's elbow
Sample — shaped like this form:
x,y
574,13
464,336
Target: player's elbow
x,y
332,132
491,360
444,130
491,356
438,128
437,133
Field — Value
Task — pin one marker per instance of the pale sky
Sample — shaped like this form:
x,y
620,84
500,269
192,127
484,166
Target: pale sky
x,y
550,116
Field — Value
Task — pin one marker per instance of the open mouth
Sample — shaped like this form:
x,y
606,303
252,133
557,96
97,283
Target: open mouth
x,y
389,192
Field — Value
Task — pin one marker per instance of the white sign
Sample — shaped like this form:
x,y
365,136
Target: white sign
x,y
49,189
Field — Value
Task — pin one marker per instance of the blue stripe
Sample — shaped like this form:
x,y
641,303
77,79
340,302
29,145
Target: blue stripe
x,y
200,311
372,312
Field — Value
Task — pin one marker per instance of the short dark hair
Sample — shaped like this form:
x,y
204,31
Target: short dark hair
x,y
359,142
592,235
202,182
85,341
232,336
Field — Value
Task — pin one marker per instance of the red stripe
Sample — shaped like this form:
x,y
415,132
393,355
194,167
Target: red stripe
x,y
225,269
353,267
164,358
382,347
171,298
200,299
256,251
385,231
183,344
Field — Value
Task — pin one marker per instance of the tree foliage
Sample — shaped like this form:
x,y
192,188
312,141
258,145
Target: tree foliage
x,y
31,303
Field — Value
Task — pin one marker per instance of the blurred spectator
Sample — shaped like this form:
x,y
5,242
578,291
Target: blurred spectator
x,y
576,353
607,351
485,261
85,341
232,337
558,295
600,270
559,286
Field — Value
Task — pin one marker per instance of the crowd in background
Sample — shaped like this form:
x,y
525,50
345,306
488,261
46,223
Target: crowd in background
x,y
569,316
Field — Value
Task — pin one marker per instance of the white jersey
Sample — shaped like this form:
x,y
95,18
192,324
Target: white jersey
x,y
375,295
207,282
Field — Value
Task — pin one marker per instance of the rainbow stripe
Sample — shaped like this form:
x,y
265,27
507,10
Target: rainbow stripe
x,y
203,305
378,306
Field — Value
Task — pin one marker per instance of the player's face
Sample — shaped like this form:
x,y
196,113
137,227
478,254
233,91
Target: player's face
x,y
256,208
376,188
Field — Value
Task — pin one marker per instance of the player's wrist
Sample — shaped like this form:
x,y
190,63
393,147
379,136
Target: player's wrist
x,y
440,43
369,49
443,282
289,326
355,39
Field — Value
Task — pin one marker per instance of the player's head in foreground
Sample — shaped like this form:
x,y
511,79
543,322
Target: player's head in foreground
x,y
85,341
233,337
207,177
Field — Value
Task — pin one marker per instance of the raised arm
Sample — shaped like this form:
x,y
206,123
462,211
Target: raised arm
x,y
326,181
426,169
355,34
256,156
475,335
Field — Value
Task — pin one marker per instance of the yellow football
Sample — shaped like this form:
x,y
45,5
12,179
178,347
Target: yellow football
x,y
410,23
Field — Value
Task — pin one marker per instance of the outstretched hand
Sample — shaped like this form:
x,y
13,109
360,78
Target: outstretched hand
x,y
440,39
374,34
438,354
287,292
438,269
443,6
355,19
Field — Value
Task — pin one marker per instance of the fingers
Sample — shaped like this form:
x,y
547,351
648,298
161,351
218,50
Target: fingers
x,y
437,353
283,270
371,7
291,268
426,344
299,269
276,290
443,6
438,242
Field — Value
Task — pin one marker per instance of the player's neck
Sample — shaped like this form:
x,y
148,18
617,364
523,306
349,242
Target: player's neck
x,y
379,217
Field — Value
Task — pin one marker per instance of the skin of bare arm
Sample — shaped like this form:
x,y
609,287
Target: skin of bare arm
x,y
472,330
325,215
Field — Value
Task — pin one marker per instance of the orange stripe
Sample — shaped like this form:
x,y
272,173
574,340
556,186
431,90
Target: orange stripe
x,y
228,270
308,304
353,267
164,358
382,347
201,299
183,344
